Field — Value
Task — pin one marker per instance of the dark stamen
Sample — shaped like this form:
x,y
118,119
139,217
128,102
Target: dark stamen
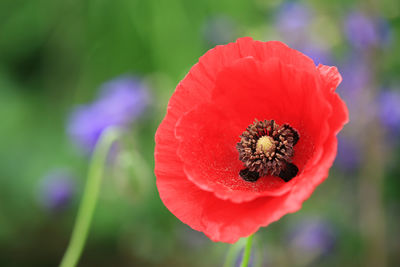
x,y
249,176
288,172
266,148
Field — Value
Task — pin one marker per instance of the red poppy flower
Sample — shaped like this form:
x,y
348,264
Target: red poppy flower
x,y
223,172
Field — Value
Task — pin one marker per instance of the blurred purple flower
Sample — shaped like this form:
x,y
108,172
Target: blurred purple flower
x,y
293,17
313,237
389,102
349,155
219,29
356,75
355,89
120,102
56,190
318,54
293,22
363,31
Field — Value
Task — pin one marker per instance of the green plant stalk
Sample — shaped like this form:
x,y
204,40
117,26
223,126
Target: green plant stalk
x,y
89,199
247,252
233,251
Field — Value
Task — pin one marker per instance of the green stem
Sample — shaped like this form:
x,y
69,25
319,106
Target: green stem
x,y
247,252
89,199
233,251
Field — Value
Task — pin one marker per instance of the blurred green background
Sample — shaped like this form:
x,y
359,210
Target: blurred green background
x,y
57,55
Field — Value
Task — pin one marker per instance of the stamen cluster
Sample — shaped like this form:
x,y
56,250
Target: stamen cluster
x,y
274,159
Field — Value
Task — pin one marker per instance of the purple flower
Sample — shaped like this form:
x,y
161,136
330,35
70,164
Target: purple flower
x,y
293,20
121,101
356,75
219,30
293,17
355,89
318,54
363,31
312,237
56,190
349,154
389,112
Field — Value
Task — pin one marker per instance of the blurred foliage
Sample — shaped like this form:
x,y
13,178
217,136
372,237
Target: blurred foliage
x,y
54,55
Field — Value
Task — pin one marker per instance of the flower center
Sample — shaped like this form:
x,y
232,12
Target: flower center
x,y
266,148
265,144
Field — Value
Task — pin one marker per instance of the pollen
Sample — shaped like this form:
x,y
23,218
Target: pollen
x,y
265,144
265,149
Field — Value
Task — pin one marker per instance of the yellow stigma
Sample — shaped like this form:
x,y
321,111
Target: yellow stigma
x,y
266,144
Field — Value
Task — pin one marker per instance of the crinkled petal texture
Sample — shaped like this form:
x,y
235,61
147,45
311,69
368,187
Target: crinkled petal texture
x,y
196,161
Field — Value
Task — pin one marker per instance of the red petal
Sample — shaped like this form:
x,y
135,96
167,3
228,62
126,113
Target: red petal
x,y
304,187
314,109
207,147
263,51
251,89
331,78
219,219
227,221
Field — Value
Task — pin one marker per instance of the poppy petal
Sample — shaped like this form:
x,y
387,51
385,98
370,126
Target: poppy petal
x,y
196,162
207,148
